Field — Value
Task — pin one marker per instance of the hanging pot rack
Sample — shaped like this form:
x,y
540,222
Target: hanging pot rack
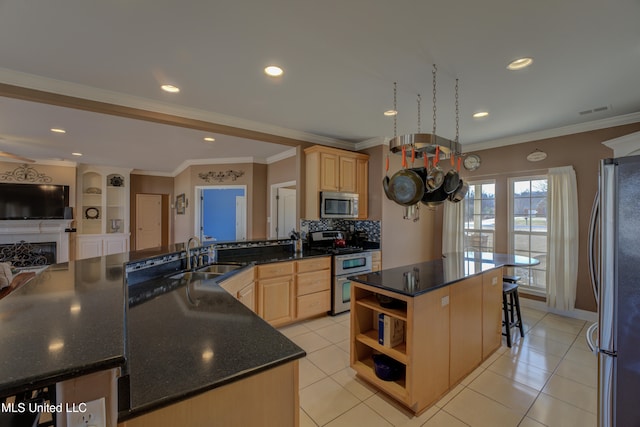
x,y
425,143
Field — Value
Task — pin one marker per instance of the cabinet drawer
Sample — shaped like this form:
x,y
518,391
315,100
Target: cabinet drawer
x,y
314,264
275,269
314,281
312,304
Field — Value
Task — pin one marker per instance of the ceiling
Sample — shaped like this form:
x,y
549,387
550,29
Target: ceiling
x,y
340,61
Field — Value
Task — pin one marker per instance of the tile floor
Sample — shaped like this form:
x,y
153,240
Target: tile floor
x,y
548,378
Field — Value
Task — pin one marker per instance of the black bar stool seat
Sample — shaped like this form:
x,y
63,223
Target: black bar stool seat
x,y
511,309
510,279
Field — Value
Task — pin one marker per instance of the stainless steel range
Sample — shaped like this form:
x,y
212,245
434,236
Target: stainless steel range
x,y
347,261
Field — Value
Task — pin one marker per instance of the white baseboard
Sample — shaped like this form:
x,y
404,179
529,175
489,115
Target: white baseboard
x,y
588,316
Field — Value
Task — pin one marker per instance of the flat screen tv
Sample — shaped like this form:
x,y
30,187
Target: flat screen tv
x,y
33,201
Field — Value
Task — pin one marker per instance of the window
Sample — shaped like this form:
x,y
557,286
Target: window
x,y
528,228
480,216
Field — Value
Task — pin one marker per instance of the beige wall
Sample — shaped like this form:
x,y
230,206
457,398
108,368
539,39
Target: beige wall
x,y
285,170
582,151
255,178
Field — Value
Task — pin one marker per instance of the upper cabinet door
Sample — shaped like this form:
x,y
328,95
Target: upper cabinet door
x,y
329,172
347,174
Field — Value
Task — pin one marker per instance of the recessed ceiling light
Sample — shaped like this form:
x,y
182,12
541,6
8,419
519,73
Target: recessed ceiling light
x,y
209,139
390,113
170,88
58,130
520,63
480,114
76,154
273,71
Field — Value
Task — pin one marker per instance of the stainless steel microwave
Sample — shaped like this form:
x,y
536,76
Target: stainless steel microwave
x,y
338,205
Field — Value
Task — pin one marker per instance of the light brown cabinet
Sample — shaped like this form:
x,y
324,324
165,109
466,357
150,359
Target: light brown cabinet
x,y
313,287
242,286
466,327
292,290
275,292
448,332
331,169
362,187
491,311
376,260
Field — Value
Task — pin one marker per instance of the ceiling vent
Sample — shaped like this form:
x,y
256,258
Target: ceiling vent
x,y
595,110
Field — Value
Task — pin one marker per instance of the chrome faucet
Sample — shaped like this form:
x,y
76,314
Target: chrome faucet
x,y
198,243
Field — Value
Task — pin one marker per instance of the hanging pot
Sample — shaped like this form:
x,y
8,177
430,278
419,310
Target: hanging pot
x,y
451,179
436,175
460,193
435,197
406,187
385,181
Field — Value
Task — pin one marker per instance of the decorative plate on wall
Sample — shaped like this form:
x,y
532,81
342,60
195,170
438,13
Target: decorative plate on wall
x,y
92,213
116,181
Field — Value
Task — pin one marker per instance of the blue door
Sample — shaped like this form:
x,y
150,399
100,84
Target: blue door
x,y
219,213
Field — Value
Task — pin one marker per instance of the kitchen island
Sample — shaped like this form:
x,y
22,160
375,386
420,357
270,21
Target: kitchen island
x,y
181,353
447,314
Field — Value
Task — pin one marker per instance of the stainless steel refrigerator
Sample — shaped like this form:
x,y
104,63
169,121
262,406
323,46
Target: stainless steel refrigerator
x,y
615,269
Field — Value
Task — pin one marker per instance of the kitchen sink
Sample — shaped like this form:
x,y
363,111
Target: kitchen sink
x,y
219,268
193,276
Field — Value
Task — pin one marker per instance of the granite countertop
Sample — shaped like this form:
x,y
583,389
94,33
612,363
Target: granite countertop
x,y
195,338
66,322
416,279
75,318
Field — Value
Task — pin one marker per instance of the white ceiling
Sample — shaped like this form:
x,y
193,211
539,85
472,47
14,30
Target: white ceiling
x,y
340,60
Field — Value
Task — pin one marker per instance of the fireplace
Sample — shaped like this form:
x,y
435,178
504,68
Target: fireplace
x,y
25,254
47,238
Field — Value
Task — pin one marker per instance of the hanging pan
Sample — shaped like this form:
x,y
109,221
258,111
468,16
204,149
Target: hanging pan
x,y
436,175
460,193
385,180
452,178
406,187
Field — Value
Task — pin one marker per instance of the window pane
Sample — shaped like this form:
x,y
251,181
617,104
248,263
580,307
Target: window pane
x,y
528,234
521,188
479,216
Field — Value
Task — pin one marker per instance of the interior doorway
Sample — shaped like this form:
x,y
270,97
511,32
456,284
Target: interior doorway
x,y
222,213
148,221
283,210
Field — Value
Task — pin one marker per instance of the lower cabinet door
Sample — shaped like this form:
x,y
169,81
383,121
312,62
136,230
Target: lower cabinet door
x,y
275,304
247,296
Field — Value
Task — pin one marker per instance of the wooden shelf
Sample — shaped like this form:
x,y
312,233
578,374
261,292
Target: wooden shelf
x,y
372,303
366,370
370,338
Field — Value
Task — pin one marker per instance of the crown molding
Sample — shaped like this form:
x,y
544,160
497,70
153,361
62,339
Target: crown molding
x,y
554,133
281,156
371,142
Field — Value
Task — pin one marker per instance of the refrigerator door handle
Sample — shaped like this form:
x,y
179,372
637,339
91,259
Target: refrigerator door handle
x,y
594,256
606,289
591,331
605,392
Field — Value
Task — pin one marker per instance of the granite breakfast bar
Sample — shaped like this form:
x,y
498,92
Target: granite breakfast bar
x,y
173,352
449,312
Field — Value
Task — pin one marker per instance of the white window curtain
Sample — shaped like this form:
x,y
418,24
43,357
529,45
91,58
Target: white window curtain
x,y
562,238
453,227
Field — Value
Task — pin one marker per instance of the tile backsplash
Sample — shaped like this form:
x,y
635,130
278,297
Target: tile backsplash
x,y
372,228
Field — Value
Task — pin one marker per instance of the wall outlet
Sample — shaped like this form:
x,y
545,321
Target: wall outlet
x,y
444,301
494,280
87,414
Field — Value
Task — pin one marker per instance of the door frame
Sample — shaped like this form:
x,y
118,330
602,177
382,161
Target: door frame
x,y
274,205
197,223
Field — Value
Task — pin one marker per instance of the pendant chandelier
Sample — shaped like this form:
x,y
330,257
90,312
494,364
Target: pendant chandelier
x,y
426,143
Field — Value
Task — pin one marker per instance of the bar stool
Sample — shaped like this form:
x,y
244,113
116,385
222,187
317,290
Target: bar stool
x,y
510,302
